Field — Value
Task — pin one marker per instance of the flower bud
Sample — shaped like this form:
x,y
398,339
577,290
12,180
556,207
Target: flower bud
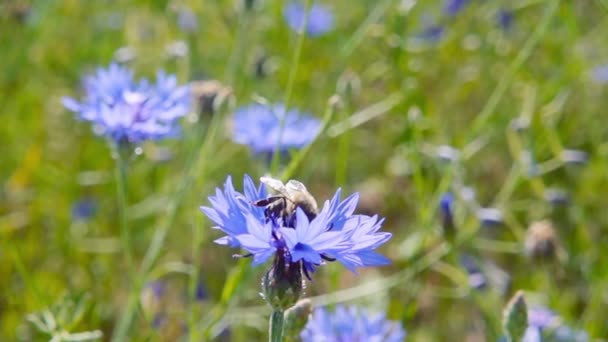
x,y
283,284
296,319
446,206
515,317
541,240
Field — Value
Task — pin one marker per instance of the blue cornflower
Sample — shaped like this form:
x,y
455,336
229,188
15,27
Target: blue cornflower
x,y
84,209
351,324
432,33
332,234
126,111
544,323
446,207
538,319
320,18
259,127
446,203
452,7
504,18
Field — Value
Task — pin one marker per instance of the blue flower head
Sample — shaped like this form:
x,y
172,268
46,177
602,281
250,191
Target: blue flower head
x,y
334,234
351,324
126,111
504,19
84,209
320,18
538,319
259,127
453,7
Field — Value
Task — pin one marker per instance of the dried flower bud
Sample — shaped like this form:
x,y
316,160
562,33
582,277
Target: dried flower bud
x,y
541,240
209,95
349,84
515,317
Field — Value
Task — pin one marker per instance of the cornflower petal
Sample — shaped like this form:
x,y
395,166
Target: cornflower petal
x,y
131,112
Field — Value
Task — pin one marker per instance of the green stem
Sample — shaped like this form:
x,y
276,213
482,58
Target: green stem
x,y
276,326
515,65
290,82
121,191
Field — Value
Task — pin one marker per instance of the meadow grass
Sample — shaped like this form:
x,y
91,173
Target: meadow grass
x,y
492,112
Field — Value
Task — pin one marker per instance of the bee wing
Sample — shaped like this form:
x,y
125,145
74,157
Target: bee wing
x,y
274,184
295,186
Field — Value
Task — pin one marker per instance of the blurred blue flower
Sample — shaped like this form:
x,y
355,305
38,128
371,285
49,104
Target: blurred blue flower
x,y
504,19
446,207
126,111
599,74
544,324
567,334
187,20
446,204
490,216
452,7
334,234
351,324
538,319
432,33
477,280
259,127
320,18
84,209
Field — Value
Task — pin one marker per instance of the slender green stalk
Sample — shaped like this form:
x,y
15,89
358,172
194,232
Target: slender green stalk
x,y
290,82
276,326
121,190
194,280
523,55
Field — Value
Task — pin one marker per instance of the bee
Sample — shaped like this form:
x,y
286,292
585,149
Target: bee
x,y
290,196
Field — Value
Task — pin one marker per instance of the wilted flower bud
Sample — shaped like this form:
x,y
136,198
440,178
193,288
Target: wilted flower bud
x,y
283,284
263,64
296,319
209,95
349,84
515,317
541,240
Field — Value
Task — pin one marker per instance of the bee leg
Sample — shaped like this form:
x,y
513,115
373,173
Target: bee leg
x,y
327,258
305,271
238,256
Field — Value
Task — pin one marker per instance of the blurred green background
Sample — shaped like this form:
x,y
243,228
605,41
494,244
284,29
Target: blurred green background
x,y
514,101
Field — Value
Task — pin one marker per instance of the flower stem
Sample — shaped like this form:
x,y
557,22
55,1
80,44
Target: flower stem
x,y
290,82
121,191
276,326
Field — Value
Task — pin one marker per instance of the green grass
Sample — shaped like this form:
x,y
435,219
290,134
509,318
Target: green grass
x,y
400,98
